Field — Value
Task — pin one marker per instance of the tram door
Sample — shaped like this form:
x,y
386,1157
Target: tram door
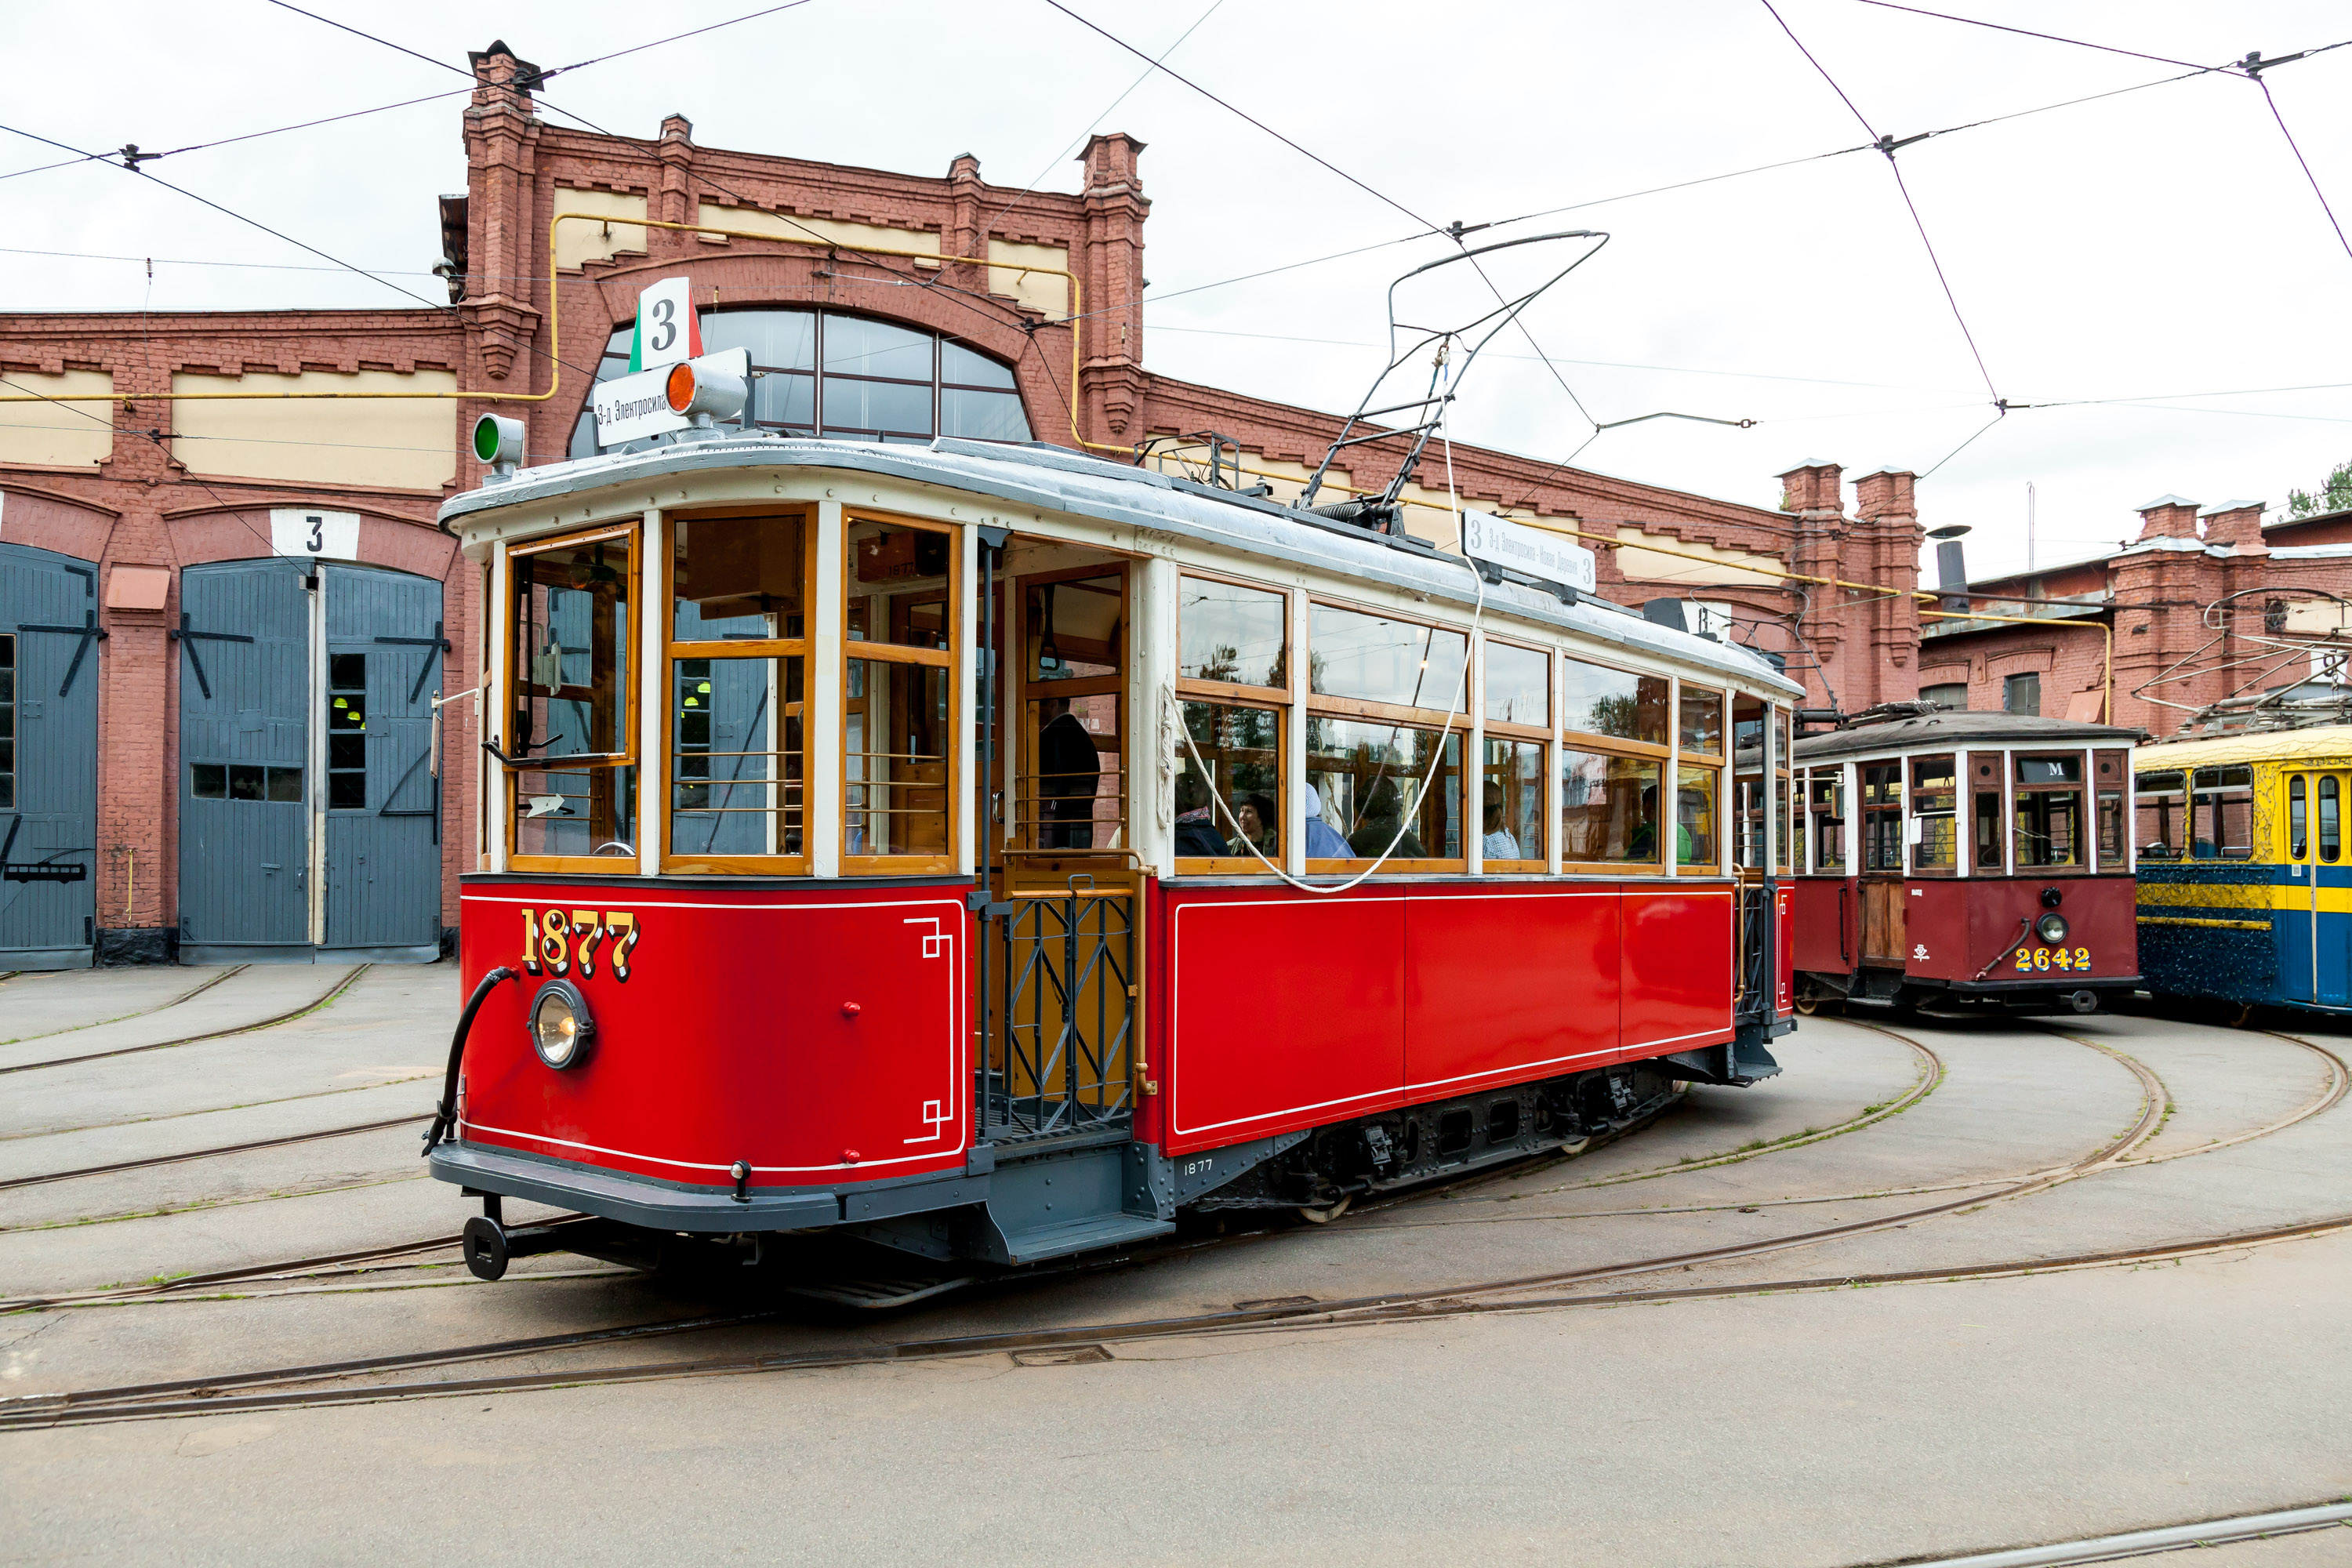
x,y
48,759
1059,983
2315,954
1884,915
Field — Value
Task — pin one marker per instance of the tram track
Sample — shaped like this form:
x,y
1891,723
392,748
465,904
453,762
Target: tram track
x,y
267,1388
295,1387
188,996
327,1000
245,1148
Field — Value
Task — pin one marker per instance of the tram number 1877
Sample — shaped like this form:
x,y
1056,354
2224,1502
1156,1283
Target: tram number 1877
x,y
2029,959
557,941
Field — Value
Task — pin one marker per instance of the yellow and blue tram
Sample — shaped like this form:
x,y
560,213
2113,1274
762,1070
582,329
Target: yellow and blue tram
x,y
2245,877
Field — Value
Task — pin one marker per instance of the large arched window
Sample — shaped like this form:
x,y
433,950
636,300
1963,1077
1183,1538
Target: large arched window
x,y
822,373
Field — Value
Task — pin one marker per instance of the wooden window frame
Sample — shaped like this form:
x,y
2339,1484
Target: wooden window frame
x,y
2086,823
1587,740
1233,694
949,659
1720,761
675,650
1669,774
1963,845
1026,690
1538,736
1362,711
633,530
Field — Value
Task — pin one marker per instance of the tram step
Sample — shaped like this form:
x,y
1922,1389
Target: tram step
x,y
1065,1237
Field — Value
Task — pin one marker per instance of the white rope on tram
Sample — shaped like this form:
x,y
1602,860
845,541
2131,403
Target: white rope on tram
x,y
1461,694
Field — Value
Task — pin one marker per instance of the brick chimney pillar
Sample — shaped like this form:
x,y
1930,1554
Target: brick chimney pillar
x,y
674,203
963,235
2239,525
2168,517
1814,495
1111,335
506,267
1884,546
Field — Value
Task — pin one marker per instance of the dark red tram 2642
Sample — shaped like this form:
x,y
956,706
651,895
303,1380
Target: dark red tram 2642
x,y
952,848
1965,860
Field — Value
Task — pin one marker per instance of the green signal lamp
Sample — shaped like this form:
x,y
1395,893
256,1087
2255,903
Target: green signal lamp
x,y
498,442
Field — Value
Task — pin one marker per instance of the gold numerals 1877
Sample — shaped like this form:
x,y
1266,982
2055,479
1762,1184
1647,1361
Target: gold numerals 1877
x,y
556,940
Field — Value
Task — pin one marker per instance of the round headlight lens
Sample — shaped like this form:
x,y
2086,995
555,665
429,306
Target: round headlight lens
x,y
561,1027
2051,928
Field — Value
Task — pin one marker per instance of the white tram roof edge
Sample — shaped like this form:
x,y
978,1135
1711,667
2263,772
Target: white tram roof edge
x,y
1054,478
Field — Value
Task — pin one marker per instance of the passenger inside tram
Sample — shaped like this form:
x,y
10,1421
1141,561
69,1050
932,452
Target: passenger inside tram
x,y
1499,843
1069,775
1257,814
1323,840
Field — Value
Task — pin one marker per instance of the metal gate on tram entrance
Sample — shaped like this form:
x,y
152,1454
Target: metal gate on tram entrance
x,y
1058,990
310,802
48,759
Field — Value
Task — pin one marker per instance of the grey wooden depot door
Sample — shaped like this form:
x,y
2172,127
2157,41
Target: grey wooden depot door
x,y
309,803
383,819
48,759
244,643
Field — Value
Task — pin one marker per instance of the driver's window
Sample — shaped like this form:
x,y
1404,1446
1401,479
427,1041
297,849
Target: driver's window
x,y
572,777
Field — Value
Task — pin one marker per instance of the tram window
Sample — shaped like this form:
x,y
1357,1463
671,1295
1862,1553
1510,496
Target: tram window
x,y
589,812
1608,808
1241,748
1368,781
2048,813
1511,816
738,579
1786,816
571,669
2162,808
897,743
1695,793
898,708
571,665
1984,785
1825,800
1375,659
1598,700
1935,806
1071,791
1882,816
2298,822
1519,685
2222,824
2331,821
1234,634
2110,774
736,758
1702,722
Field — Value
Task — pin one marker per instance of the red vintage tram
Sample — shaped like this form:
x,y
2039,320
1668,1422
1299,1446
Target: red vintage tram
x,y
963,848
1961,861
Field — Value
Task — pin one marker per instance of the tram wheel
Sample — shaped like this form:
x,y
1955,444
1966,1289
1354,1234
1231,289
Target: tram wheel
x,y
1809,1004
1328,1212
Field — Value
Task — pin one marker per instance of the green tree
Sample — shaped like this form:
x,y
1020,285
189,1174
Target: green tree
x,y
2336,497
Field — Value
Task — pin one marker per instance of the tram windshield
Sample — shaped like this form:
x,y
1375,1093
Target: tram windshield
x,y
574,622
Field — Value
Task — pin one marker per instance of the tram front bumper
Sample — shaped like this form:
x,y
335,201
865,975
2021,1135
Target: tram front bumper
x,y
631,1200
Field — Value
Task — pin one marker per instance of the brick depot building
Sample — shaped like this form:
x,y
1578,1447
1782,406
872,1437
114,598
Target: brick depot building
x,y
224,621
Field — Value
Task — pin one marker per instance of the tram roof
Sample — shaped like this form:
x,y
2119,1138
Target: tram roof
x,y
1928,731
2330,743
1055,479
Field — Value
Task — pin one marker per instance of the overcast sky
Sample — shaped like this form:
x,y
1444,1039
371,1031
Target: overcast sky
x,y
2161,245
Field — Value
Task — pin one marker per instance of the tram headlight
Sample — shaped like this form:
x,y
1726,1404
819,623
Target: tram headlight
x,y
2052,928
563,1030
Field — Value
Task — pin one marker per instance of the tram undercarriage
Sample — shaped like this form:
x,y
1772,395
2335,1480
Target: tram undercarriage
x,y
1076,1194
